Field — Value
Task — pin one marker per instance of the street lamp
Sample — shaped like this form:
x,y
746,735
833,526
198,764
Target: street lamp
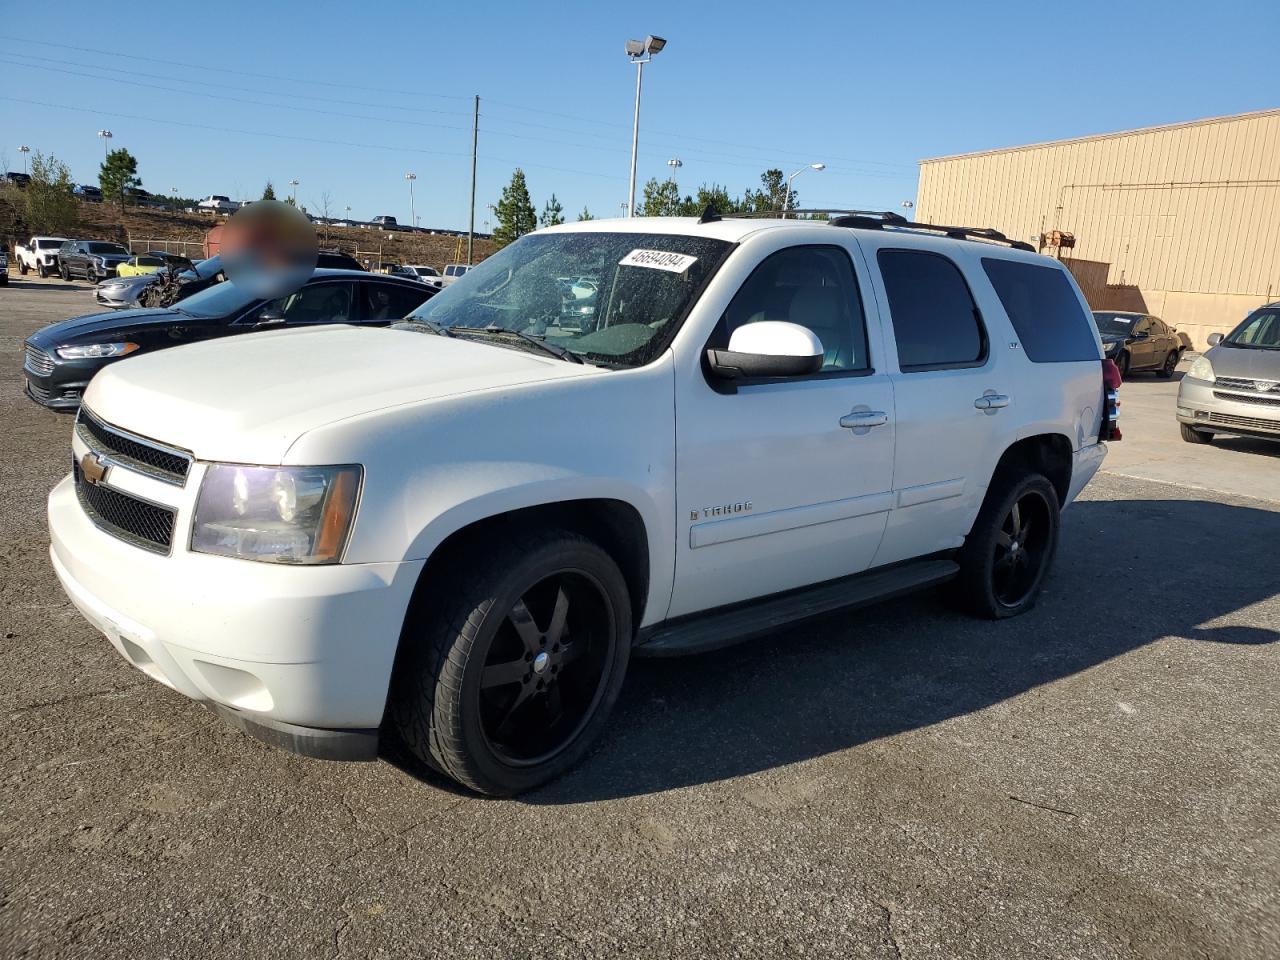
x,y
411,177
786,200
24,150
675,164
106,136
908,205
348,211
640,52
293,194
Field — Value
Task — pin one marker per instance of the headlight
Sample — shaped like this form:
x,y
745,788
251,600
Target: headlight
x,y
1201,369
276,514
97,261
91,351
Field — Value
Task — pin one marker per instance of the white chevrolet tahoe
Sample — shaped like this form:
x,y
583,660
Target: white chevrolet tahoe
x,y
454,533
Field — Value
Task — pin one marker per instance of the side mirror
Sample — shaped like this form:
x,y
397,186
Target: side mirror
x,y
270,315
1215,339
770,348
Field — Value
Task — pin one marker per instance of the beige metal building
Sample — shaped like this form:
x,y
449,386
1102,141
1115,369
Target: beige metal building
x,y
1182,221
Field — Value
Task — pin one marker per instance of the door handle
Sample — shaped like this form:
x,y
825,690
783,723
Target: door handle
x,y
864,418
991,401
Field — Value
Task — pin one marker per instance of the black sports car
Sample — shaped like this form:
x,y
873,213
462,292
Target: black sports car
x,y
62,357
1138,341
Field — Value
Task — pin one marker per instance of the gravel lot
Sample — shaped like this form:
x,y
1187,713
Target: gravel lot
x,y
1097,779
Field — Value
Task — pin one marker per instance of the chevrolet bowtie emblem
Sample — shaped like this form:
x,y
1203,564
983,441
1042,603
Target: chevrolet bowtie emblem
x,y
92,468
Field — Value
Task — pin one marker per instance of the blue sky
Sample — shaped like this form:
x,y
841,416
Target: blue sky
x,y
348,97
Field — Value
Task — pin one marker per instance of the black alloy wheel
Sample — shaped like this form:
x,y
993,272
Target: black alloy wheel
x,y
1008,552
1022,545
1122,362
66,274
1170,364
512,655
545,668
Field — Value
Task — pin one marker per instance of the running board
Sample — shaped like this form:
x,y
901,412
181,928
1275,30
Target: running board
x,y
701,632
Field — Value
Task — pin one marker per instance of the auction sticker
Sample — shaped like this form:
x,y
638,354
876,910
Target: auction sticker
x,y
658,260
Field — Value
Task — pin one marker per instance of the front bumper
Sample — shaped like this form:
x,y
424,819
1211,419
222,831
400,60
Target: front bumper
x,y
298,656
1213,410
63,386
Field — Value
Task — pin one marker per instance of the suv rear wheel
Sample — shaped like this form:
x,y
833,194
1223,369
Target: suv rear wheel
x,y
508,670
1007,554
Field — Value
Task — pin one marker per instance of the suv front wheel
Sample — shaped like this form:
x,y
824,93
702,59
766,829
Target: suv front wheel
x,y
510,666
1005,557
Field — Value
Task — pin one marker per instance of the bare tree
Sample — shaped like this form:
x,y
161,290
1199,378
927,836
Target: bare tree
x,y
325,204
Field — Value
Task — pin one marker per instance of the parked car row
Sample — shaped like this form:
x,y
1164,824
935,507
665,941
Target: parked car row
x,y
61,358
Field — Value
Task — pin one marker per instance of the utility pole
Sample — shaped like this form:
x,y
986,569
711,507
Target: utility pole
x,y
475,137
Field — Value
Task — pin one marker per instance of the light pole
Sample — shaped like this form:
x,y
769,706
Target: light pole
x,y
625,206
293,194
412,217
348,212
106,140
640,52
908,205
675,163
24,150
786,201
174,191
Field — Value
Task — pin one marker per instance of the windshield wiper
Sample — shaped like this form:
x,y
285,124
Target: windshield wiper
x,y
431,325
560,353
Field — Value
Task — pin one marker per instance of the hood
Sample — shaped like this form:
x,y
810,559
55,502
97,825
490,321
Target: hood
x,y
247,399
1244,362
95,326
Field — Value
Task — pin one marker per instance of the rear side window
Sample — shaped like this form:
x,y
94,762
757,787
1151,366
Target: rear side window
x,y
1044,309
385,301
935,321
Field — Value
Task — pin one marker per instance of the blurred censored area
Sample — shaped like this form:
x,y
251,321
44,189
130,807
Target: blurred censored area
x,y
269,249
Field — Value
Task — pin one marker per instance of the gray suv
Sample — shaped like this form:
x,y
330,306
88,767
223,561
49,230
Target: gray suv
x,y
1234,388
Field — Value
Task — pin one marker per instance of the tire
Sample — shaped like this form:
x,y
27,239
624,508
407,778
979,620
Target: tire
x,y
1122,362
22,268
996,580
66,274
1192,435
1170,364
482,689
42,271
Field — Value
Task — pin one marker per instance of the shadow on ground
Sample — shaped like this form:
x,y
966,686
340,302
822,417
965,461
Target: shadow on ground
x,y
844,680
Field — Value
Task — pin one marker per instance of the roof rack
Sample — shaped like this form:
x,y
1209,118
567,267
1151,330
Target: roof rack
x,y
882,219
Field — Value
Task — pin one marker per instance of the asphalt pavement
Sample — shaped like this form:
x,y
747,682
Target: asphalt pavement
x,y
1096,779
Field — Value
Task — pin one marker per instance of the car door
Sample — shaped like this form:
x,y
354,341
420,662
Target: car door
x,y
1144,347
82,260
785,482
1166,341
951,396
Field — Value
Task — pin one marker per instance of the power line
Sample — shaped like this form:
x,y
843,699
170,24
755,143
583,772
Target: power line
x,y
681,137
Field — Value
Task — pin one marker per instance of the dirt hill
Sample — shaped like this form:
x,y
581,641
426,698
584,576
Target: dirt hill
x,y
164,229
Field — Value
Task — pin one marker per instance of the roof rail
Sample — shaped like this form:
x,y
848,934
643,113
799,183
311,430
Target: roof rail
x,y
887,219
987,234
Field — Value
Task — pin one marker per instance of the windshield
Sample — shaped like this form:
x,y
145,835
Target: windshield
x,y
614,297
220,300
426,271
48,244
106,248
1116,324
1260,331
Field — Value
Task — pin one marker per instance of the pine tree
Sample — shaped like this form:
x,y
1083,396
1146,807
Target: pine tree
x,y
118,174
269,191
585,215
552,213
515,213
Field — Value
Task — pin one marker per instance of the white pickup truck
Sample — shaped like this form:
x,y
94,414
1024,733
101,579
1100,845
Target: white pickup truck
x,y
455,532
39,254
215,203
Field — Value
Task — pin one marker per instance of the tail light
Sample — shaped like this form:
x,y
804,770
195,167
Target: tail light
x,y
1111,381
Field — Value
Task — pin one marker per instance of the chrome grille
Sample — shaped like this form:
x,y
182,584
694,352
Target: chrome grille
x,y
136,453
1265,400
1240,383
1248,423
38,361
136,521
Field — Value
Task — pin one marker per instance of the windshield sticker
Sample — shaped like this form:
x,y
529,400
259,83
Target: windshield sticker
x,y
659,260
